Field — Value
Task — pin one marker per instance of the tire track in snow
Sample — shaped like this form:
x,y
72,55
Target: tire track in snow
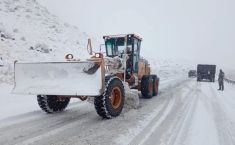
x,y
70,124
31,116
161,116
34,130
180,118
182,125
225,130
168,120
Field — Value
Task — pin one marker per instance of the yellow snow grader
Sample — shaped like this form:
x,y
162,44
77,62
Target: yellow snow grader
x,y
103,76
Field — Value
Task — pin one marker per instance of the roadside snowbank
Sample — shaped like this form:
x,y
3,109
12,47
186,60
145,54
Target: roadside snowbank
x,y
15,104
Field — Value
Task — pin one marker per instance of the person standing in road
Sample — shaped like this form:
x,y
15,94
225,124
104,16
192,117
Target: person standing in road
x,y
221,80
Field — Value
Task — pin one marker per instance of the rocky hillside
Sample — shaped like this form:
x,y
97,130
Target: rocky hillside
x,y
28,32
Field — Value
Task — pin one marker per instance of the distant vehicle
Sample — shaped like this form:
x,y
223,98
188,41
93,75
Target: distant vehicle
x,y
206,72
1,61
192,73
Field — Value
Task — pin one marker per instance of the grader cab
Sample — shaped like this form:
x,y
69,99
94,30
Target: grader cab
x,y
101,77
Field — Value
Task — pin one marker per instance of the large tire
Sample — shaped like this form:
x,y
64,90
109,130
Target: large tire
x,y
147,86
111,102
155,85
52,103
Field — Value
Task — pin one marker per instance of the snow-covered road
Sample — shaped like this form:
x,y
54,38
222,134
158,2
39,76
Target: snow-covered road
x,y
200,115
185,112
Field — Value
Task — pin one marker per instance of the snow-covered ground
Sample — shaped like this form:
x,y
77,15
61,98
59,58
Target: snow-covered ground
x,y
230,74
185,112
199,115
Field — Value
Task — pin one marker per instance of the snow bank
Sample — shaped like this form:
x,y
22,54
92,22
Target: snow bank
x,y
230,74
12,105
131,98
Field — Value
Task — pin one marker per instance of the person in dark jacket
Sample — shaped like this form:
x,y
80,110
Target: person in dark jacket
x,y
221,80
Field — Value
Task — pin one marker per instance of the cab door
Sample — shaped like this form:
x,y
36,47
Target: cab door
x,y
136,55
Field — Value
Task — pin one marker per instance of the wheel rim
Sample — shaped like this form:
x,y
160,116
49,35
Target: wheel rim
x,y
116,97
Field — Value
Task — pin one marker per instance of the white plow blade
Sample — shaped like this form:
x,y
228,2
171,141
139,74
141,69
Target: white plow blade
x,y
58,78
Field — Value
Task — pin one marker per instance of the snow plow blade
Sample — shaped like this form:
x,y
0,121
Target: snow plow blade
x,y
59,78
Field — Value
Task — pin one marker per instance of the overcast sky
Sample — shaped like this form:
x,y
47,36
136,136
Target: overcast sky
x,y
198,30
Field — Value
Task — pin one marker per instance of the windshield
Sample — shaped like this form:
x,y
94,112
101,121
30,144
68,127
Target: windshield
x,y
116,46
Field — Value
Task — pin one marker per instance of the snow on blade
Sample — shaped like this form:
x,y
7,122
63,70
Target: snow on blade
x,y
57,78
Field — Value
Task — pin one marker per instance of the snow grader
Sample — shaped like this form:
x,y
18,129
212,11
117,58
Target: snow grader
x,y
102,76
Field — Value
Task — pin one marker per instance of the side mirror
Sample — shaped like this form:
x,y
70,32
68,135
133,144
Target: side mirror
x,y
102,48
89,47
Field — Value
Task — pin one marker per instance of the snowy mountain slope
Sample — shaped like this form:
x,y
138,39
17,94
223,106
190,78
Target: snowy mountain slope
x,y
28,32
230,74
167,68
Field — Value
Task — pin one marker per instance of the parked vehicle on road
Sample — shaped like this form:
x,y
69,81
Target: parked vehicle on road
x,y
192,73
206,72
